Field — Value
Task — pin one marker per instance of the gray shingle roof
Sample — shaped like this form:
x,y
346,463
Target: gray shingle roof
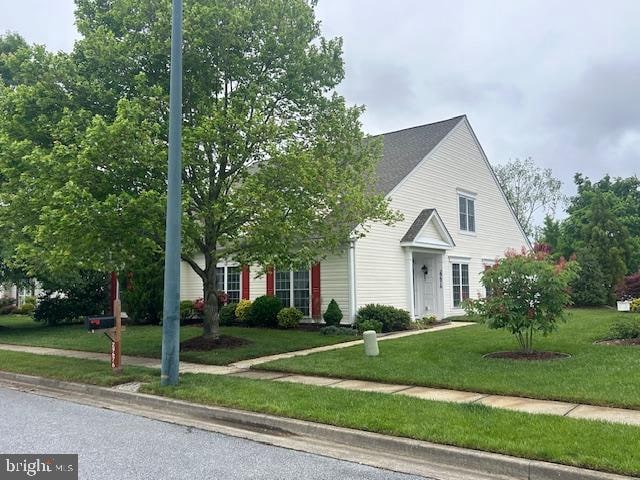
x,y
417,225
404,149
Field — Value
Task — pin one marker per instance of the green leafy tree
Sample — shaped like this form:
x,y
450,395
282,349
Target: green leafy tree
x,y
276,171
528,295
589,289
530,189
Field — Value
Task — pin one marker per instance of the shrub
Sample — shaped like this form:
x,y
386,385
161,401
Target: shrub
x,y
625,328
369,324
635,305
31,300
186,310
242,310
333,315
424,322
391,318
228,314
83,293
142,289
25,309
589,288
54,310
8,309
289,317
264,312
333,330
529,294
629,287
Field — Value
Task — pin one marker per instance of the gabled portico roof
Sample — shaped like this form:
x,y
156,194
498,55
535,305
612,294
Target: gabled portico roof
x,y
428,231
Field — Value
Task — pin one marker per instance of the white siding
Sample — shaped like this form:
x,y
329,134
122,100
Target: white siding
x,y
334,283
257,286
457,163
190,281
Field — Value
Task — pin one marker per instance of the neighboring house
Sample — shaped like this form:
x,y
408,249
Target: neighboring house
x,y
456,221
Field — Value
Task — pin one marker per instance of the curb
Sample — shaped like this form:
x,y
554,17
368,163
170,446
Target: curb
x,y
486,463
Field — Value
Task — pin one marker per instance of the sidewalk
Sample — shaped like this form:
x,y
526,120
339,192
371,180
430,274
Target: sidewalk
x,y
241,369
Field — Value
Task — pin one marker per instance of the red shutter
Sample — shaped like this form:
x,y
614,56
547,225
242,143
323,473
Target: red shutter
x,y
270,282
245,282
315,292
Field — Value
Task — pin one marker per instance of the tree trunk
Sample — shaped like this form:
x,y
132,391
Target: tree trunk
x,y
211,323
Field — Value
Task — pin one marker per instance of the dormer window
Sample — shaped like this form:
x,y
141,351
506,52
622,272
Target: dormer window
x,y
467,210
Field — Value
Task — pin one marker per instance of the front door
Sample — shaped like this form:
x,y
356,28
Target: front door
x,y
427,285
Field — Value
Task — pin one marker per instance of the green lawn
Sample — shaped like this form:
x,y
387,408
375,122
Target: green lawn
x,y
146,340
582,443
596,374
72,370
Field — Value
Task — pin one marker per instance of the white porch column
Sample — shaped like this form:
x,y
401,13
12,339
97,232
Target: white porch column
x,y
352,280
410,288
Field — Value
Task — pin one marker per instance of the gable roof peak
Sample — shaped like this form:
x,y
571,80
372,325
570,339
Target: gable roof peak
x,y
404,149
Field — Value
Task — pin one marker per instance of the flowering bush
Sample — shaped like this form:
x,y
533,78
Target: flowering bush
x,y
199,304
528,295
242,310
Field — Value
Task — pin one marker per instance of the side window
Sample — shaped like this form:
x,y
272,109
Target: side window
x,y
467,210
460,276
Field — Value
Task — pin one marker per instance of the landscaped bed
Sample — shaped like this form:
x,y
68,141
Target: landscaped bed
x,y
146,340
596,374
583,443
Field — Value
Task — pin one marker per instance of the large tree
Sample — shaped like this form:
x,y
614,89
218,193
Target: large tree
x,y
276,171
530,189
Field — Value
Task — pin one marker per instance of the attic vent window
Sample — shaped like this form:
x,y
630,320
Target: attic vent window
x,y
467,208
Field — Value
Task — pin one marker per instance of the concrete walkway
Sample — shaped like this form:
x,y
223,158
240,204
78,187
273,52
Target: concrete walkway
x,y
387,336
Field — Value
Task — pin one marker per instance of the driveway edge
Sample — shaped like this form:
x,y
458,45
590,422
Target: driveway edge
x,y
486,463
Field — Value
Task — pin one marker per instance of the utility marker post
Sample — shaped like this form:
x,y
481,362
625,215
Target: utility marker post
x,y
171,302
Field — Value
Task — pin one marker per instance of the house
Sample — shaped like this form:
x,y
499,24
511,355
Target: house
x,y
456,221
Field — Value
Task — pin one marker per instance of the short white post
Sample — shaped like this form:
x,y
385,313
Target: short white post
x,y
370,343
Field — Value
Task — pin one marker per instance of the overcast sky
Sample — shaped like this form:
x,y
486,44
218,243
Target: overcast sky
x,y
557,81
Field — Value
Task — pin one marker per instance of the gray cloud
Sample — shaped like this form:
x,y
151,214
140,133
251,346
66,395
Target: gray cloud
x,y
557,81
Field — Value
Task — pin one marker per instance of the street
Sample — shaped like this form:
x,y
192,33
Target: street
x,y
112,444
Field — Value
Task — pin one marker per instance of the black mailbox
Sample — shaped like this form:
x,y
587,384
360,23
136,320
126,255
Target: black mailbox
x,y
99,322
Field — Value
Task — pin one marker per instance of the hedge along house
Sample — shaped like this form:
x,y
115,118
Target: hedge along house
x,y
456,221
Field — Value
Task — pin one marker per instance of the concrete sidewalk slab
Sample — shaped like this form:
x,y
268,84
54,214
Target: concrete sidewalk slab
x,y
364,386
258,375
309,380
442,395
528,405
608,414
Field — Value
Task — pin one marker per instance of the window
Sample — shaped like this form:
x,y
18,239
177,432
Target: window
x,y
460,283
228,280
467,213
294,289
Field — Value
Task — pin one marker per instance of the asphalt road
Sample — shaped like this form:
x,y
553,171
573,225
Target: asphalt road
x,y
118,445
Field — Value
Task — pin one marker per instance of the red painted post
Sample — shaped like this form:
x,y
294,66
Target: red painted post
x,y
271,284
113,291
316,305
245,282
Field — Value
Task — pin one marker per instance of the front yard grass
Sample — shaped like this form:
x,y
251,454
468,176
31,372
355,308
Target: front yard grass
x,y
582,443
146,340
67,369
595,374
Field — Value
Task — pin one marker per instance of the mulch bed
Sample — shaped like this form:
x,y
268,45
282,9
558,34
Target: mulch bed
x,y
202,344
533,356
620,341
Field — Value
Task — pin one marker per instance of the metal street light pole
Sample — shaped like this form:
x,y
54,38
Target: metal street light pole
x,y
171,303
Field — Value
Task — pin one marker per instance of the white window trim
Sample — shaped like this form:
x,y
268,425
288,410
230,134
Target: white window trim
x,y
468,196
291,289
225,276
459,261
